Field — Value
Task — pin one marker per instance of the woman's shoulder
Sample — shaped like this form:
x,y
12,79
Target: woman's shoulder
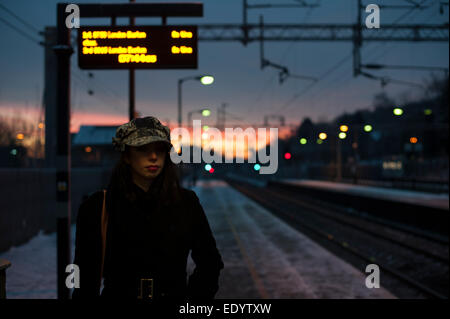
x,y
91,204
93,198
188,195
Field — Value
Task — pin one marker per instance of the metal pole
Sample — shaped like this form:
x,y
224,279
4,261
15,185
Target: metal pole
x,y
189,118
131,87
356,154
180,165
4,264
357,41
261,42
244,22
63,51
180,82
338,161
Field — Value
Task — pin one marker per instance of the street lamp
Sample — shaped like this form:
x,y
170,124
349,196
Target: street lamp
x,y
203,112
204,79
207,79
397,111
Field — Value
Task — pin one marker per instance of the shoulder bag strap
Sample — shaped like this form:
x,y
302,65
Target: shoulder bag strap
x,y
104,226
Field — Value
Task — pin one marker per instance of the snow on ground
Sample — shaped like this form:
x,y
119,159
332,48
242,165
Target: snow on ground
x,y
402,195
32,274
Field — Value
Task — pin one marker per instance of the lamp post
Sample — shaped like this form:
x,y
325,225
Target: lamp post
x,y
204,112
204,79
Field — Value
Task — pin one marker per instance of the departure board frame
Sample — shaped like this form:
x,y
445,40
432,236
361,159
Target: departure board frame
x,y
138,47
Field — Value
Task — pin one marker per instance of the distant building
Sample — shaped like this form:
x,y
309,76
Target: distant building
x,y
92,146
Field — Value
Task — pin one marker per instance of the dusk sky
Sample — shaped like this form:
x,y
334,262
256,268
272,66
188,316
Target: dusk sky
x,y
249,91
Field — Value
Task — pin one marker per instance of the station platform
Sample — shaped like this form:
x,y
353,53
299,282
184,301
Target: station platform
x,y
266,258
263,256
440,201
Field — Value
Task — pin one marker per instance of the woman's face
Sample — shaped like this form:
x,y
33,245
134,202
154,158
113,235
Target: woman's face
x,y
147,161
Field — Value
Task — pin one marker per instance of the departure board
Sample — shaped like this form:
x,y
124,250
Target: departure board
x,y
137,47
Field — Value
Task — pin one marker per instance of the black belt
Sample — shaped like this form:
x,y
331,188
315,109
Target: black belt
x,y
140,288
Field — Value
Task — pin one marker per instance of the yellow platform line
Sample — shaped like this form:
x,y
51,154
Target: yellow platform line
x,y
258,282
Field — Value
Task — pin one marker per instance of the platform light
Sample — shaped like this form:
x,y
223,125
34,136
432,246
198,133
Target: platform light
x,y
256,167
206,112
323,136
208,167
303,141
207,79
368,128
413,140
398,111
287,155
342,135
343,128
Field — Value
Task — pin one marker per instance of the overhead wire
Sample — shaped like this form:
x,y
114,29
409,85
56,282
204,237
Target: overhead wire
x,y
335,67
21,32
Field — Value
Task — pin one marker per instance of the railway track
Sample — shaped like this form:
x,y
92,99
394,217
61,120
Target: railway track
x,y
416,266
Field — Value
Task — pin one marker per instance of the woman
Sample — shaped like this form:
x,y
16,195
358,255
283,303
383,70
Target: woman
x,y
152,225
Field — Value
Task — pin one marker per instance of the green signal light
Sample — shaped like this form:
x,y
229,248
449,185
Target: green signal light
x,y
398,111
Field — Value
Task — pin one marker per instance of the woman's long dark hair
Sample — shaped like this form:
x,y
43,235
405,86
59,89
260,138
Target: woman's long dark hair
x,y
167,181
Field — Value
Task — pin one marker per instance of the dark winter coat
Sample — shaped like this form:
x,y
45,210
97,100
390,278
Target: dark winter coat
x,y
146,239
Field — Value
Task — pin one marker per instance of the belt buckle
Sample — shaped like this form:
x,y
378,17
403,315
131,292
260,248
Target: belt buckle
x,y
146,288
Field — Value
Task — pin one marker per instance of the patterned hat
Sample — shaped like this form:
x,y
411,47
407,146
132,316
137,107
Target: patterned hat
x,y
141,131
